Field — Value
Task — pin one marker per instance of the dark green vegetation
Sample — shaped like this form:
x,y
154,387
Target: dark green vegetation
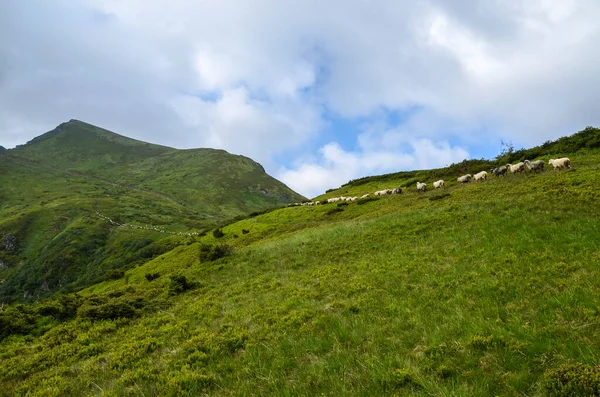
x,y
54,188
489,288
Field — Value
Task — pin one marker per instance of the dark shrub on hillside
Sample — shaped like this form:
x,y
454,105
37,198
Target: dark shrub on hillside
x,y
366,200
342,204
334,210
244,231
218,233
16,320
62,308
439,196
572,380
109,309
209,252
178,284
113,275
152,276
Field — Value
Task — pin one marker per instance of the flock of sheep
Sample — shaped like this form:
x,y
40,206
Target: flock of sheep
x,y
149,227
534,166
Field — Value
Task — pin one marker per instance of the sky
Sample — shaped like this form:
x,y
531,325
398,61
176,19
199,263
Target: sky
x,y
318,92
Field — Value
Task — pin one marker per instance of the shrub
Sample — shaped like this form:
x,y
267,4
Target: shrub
x,y
178,284
16,320
209,252
572,380
334,210
152,276
366,200
399,378
62,308
342,204
113,275
244,231
439,196
218,233
102,309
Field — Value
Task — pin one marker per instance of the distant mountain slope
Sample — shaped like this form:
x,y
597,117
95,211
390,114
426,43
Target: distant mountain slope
x,y
53,187
214,181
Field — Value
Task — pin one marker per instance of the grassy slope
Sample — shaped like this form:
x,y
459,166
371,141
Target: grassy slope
x,y
473,291
52,187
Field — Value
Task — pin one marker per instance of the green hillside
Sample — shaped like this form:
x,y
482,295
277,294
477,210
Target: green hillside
x,y
59,189
488,288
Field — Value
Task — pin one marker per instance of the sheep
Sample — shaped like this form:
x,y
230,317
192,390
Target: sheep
x,y
519,167
534,165
397,190
561,163
439,184
421,187
499,171
480,176
364,196
464,178
383,192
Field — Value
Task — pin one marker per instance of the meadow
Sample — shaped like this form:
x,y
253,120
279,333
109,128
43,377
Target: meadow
x,y
489,288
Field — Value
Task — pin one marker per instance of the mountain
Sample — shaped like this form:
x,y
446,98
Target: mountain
x,y
488,288
61,191
2,149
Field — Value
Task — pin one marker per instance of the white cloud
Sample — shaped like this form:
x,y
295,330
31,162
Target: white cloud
x,y
336,166
260,78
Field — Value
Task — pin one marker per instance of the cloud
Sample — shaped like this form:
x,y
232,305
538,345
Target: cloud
x,y
335,166
270,79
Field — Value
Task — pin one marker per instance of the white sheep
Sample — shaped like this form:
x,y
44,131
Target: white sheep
x,y
364,196
519,167
560,163
464,178
439,184
397,190
534,165
421,187
480,176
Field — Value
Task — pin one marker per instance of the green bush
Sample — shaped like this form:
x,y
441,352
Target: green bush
x,y
178,284
334,210
16,320
152,276
218,233
113,275
62,308
106,309
209,252
366,200
399,378
572,380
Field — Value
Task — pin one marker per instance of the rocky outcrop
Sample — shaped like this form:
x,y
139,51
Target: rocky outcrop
x,y
9,243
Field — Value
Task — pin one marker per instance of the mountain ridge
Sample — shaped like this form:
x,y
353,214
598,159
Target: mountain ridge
x,y
54,186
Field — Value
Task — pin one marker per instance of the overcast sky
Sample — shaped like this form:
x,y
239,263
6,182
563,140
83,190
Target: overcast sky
x,y
319,92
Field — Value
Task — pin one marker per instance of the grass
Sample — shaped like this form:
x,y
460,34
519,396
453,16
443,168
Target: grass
x,y
483,289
